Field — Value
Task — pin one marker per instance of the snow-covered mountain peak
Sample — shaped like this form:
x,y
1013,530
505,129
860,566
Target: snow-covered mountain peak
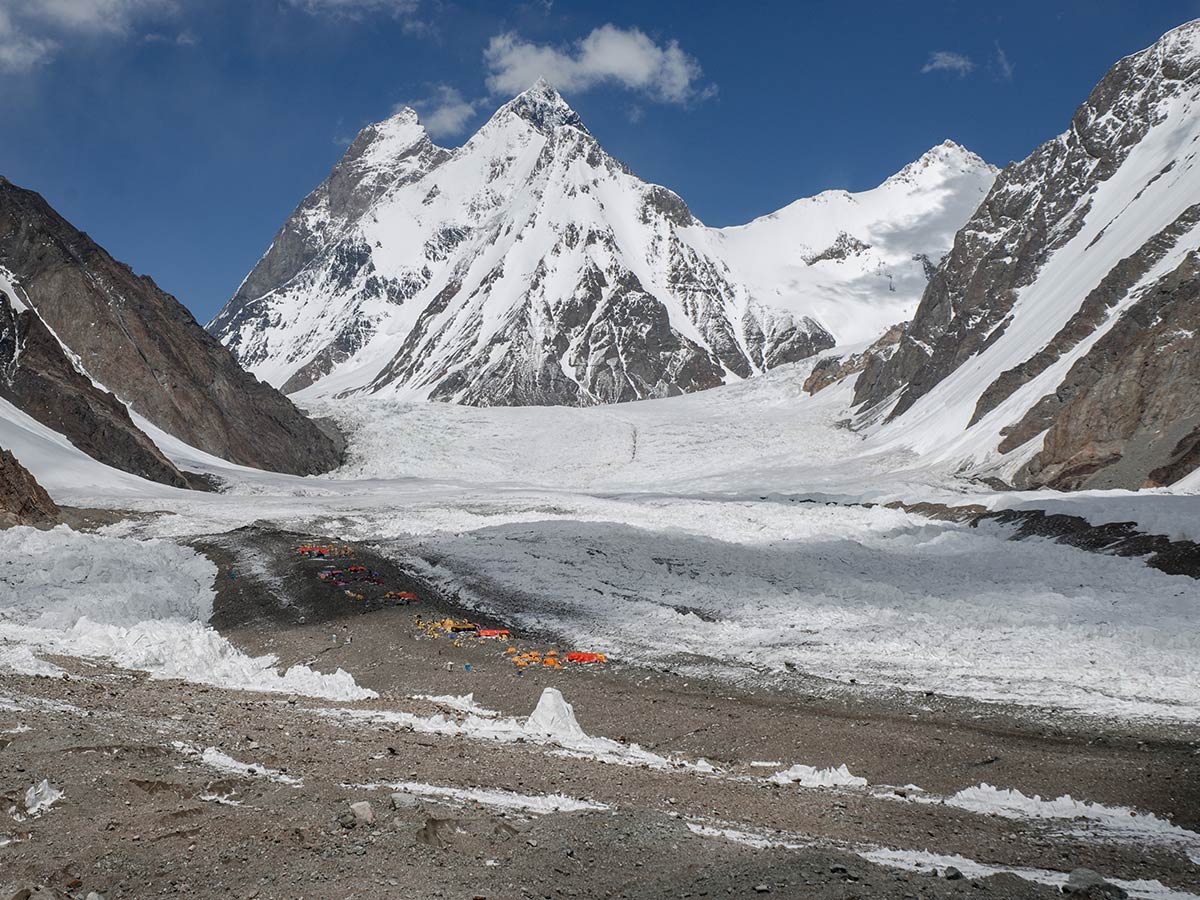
x,y
1179,45
542,107
858,262
386,143
528,266
943,161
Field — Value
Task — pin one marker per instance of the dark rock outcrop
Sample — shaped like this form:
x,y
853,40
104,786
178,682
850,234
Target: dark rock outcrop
x,y
22,500
833,369
140,343
1128,412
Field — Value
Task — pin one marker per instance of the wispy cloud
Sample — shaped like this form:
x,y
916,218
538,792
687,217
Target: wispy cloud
x,y
1003,64
183,39
948,61
445,112
20,51
626,57
93,15
32,31
357,9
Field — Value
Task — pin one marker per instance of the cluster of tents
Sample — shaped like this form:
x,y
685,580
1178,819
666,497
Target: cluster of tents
x,y
462,630
352,578
334,551
551,659
349,575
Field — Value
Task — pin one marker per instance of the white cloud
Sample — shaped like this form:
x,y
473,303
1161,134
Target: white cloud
x,y
20,52
91,15
32,31
1003,63
445,112
948,61
609,55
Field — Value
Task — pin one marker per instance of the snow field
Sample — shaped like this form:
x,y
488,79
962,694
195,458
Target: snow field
x,y
139,604
878,595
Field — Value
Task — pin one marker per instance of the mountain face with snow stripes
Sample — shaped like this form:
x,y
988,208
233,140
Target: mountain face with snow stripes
x,y
530,267
41,378
1056,346
86,346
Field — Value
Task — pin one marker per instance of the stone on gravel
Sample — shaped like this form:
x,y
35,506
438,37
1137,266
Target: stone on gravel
x,y
404,801
1086,883
363,812
38,892
952,874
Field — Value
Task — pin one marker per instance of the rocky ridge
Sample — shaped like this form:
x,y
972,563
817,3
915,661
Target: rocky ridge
x,y
1053,345
143,346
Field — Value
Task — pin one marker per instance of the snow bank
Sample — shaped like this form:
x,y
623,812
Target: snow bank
x,y
918,860
21,659
808,776
1114,822
924,861
552,724
536,804
140,604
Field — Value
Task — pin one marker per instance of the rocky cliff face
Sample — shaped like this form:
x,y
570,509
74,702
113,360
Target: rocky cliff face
x,y
22,500
142,345
1127,414
39,377
1035,347
526,267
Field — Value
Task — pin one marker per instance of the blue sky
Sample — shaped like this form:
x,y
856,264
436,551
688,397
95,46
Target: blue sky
x,y
181,133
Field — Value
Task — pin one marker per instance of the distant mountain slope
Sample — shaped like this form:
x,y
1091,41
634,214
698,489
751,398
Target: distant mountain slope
x,y
530,267
142,345
1057,344
858,263
40,378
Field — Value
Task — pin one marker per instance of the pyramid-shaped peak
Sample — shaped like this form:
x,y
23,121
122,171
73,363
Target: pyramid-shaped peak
x,y
543,107
945,157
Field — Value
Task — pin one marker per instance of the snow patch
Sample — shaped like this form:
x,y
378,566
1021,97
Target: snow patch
x,y
918,860
40,797
494,798
141,605
809,776
464,703
554,718
552,724
22,661
221,762
1114,822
